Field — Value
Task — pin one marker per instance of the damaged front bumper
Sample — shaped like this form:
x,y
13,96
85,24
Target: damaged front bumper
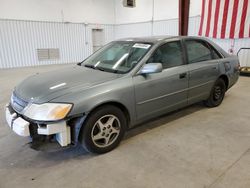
x,y
22,127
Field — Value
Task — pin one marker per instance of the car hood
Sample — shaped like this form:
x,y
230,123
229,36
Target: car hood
x,y
44,87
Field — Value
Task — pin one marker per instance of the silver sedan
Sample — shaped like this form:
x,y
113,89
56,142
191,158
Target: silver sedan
x,y
125,83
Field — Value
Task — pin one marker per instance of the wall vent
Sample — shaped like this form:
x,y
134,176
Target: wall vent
x,y
48,54
129,3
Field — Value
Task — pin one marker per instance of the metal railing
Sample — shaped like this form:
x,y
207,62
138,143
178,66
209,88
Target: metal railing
x,y
242,49
244,70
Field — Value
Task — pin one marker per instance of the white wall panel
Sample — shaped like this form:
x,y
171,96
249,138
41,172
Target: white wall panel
x,y
20,39
91,11
166,27
161,27
145,10
133,30
141,13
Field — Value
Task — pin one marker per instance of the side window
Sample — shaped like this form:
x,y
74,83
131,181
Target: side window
x,y
169,55
216,54
197,51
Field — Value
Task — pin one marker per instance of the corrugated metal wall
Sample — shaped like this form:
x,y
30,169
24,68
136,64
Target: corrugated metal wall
x,y
20,39
133,30
166,27
162,27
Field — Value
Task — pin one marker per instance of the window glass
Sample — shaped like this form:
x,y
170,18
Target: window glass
x,y
169,55
197,51
216,54
118,57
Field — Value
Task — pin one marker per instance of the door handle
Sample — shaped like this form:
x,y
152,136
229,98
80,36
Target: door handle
x,y
214,68
183,75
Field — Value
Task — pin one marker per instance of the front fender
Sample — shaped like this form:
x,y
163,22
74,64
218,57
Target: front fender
x,y
119,91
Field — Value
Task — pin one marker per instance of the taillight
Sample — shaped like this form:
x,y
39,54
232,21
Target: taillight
x,y
237,67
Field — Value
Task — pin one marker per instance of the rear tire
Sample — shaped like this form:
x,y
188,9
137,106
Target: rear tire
x,y
217,94
103,130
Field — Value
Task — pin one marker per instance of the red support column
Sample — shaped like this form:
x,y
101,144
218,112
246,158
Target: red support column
x,y
183,16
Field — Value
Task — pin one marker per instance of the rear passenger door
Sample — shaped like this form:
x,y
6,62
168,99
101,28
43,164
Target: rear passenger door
x,y
203,69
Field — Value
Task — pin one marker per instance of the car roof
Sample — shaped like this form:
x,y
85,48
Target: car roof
x,y
157,39
150,39
161,39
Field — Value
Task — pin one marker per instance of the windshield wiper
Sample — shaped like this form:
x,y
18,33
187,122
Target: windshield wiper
x,y
102,69
114,71
93,67
89,66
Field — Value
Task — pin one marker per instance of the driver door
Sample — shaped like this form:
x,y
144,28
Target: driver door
x,y
158,93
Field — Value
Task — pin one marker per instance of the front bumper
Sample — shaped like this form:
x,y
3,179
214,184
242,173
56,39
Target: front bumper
x,y
17,124
23,127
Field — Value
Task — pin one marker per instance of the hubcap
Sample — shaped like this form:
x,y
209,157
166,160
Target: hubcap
x,y
217,92
105,130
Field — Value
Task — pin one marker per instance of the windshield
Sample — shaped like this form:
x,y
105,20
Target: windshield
x,y
118,57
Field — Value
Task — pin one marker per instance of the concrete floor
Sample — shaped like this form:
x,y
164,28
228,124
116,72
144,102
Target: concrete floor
x,y
196,147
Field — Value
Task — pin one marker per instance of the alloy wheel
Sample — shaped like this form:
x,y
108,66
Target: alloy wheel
x,y
105,130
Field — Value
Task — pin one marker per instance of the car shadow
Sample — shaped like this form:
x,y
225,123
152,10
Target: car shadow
x,y
163,120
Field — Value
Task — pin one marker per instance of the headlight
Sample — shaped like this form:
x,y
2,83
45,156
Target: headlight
x,y
47,111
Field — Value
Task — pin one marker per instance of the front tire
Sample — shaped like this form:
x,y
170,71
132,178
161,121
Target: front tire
x,y
217,94
103,129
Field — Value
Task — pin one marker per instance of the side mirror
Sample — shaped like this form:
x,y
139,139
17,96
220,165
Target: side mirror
x,y
151,68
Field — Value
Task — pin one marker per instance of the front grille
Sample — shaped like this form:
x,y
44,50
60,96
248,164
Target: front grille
x,y
17,103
